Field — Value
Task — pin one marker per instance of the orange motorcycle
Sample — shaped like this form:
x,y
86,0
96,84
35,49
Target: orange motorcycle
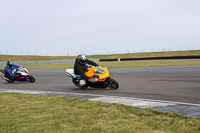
x,y
100,74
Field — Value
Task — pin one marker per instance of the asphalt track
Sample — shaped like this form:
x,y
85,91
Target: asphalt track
x,y
179,84
174,83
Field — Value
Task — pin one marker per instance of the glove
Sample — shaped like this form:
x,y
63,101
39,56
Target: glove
x,y
91,80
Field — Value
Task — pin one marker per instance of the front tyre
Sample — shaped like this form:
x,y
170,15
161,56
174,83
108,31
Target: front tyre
x,y
76,82
112,83
31,79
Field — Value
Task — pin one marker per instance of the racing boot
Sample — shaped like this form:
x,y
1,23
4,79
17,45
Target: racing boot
x,y
82,82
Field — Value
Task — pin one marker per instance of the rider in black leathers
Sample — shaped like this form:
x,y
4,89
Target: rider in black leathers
x,y
80,67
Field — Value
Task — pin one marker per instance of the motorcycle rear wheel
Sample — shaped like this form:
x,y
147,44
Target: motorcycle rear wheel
x,y
112,83
76,82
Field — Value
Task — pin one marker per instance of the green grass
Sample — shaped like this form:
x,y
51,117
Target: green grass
x,y
140,63
115,64
148,54
4,58
21,113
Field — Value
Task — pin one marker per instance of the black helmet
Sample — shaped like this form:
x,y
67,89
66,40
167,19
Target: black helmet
x,y
9,63
82,59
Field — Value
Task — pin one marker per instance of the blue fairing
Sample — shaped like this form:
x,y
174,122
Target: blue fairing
x,y
10,69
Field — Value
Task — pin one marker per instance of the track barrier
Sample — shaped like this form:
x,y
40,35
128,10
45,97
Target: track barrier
x,y
153,58
100,60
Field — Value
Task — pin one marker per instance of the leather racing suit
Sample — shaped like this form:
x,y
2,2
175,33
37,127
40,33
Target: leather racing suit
x,y
9,70
80,69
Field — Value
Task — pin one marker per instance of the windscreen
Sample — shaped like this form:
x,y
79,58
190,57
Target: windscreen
x,y
99,70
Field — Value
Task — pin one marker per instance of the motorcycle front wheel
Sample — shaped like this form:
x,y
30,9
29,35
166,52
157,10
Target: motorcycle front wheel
x,y
112,83
31,79
76,82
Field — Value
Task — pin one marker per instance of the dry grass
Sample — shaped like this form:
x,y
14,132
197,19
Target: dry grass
x,y
112,56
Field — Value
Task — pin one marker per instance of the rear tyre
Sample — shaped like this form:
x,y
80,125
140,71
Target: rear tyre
x,y
76,82
31,79
112,83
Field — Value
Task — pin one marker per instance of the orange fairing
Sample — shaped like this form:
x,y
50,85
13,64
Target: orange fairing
x,y
92,71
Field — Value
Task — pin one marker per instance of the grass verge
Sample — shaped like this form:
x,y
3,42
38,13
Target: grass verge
x,y
141,63
37,113
4,58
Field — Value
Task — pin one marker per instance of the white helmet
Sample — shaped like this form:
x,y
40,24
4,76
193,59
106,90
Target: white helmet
x,y
82,59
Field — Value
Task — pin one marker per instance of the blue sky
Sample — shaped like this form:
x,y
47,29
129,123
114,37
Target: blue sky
x,y
66,27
